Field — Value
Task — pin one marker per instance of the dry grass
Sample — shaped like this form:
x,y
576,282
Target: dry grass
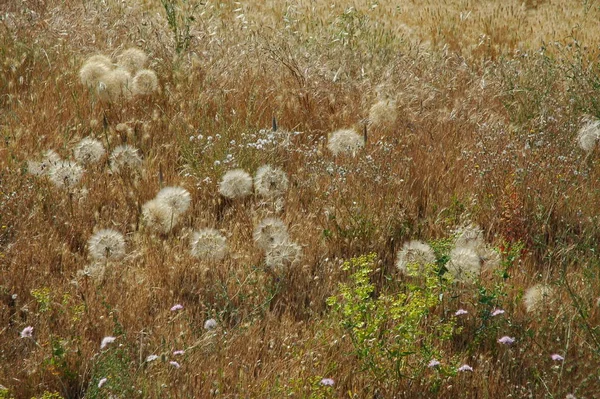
x,y
489,97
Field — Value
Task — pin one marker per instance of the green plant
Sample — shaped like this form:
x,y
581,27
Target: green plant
x,y
393,334
180,15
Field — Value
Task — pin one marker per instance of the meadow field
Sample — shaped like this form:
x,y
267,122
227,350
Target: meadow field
x,y
299,199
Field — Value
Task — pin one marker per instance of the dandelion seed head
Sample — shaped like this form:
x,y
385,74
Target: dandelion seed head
x,y
177,199
283,255
345,141
414,253
209,244
158,217
114,85
235,183
95,271
464,264
106,244
470,237
588,134
383,114
537,296
210,324
106,341
132,60
89,151
27,332
269,232
270,182
51,158
65,174
144,83
92,72
125,158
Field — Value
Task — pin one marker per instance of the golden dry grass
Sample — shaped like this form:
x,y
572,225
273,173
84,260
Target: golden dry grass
x,y
489,98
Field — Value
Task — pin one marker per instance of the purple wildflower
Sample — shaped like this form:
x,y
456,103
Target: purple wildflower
x,y
433,363
179,352
465,367
460,312
328,382
177,307
506,340
556,357
497,312
27,332
174,364
151,358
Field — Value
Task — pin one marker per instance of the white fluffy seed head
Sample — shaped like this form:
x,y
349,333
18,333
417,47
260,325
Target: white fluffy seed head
x,y
114,85
270,182
93,70
132,60
176,199
345,141
470,236
41,168
537,297
464,264
89,151
236,183
158,217
209,244
107,244
125,158
65,174
283,255
382,114
414,253
144,83
270,232
588,135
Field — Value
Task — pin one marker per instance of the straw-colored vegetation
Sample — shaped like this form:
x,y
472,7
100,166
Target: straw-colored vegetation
x,y
368,199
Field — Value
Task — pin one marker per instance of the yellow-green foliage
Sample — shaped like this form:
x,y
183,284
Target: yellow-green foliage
x,y
394,334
